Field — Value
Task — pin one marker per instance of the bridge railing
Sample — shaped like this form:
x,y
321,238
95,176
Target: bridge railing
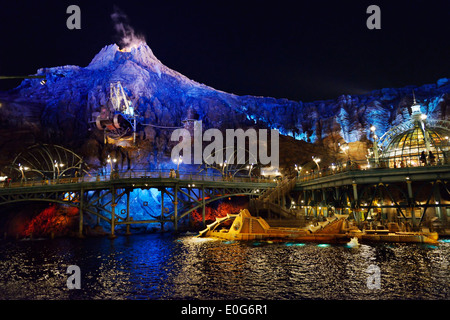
x,y
133,174
351,166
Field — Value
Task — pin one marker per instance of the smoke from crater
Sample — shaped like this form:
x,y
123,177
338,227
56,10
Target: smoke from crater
x,y
127,36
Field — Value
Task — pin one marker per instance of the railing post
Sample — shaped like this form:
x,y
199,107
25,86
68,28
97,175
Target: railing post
x,y
80,222
162,209
175,204
411,202
128,213
113,212
203,206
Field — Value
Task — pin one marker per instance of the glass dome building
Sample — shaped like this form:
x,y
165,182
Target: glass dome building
x,y
416,142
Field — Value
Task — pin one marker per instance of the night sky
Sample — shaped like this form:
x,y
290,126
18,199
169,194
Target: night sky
x,y
300,50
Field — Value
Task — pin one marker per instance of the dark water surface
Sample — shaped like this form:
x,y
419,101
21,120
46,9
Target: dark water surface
x,y
165,266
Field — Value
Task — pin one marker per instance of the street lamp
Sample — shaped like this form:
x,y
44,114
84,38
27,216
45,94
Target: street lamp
x,y
298,169
345,149
57,166
178,161
22,169
316,160
250,168
110,161
223,166
375,145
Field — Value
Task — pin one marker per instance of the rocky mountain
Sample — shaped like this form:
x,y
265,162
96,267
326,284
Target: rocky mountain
x,y
60,110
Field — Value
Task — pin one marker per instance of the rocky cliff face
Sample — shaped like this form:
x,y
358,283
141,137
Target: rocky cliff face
x,y
61,110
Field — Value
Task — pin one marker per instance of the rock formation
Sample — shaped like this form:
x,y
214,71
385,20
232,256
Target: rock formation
x,y
60,111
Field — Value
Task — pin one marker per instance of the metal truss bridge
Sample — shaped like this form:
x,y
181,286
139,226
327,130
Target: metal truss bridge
x,y
402,194
405,195
100,195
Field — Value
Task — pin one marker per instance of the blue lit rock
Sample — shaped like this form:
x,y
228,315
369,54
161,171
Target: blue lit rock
x,y
63,107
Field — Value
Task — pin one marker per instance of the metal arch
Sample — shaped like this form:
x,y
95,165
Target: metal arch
x,y
42,157
231,167
402,127
441,124
408,125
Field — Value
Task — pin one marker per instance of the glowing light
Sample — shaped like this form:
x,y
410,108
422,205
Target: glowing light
x,y
415,108
292,244
134,45
178,161
323,245
54,219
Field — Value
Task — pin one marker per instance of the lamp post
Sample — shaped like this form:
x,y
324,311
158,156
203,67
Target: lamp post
x,y
316,160
375,145
178,161
223,166
250,168
110,161
22,169
57,166
298,169
345,149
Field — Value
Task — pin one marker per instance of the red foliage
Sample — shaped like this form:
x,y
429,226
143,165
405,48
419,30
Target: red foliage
x,y
56,218
220,211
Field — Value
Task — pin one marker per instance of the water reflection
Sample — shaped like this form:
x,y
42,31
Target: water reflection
x,y
185,267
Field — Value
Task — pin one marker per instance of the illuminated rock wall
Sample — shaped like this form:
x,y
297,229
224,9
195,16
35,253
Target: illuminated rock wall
x,y
62,108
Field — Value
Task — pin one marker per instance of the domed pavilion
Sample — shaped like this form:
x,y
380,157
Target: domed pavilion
x,y
413,143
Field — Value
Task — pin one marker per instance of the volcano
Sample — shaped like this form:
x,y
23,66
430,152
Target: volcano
x,y
59,110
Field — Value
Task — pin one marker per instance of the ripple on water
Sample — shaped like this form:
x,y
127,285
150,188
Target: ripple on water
x,y
185,267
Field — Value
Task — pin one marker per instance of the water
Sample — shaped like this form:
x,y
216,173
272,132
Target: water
x,y
165,266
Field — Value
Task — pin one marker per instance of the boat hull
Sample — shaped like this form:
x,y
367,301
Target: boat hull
x,y
320,238
248,228
400,237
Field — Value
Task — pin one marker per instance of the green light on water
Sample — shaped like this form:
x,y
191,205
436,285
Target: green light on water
x,y
323,245
289,244
293,244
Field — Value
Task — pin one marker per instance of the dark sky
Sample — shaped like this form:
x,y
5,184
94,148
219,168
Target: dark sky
x,y
300,50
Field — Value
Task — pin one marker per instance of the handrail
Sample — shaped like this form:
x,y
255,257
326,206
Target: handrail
x,y
134,174
331,172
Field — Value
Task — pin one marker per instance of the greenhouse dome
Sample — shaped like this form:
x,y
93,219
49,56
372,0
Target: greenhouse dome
x,y
416,142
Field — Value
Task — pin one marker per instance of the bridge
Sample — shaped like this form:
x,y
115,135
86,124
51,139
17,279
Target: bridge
x,y
397,194
401,194
99,195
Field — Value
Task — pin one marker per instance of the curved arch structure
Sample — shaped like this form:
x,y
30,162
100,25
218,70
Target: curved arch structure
x,y
46,161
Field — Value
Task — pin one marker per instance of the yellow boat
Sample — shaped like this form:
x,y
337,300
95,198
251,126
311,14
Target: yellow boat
x,y
246,227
